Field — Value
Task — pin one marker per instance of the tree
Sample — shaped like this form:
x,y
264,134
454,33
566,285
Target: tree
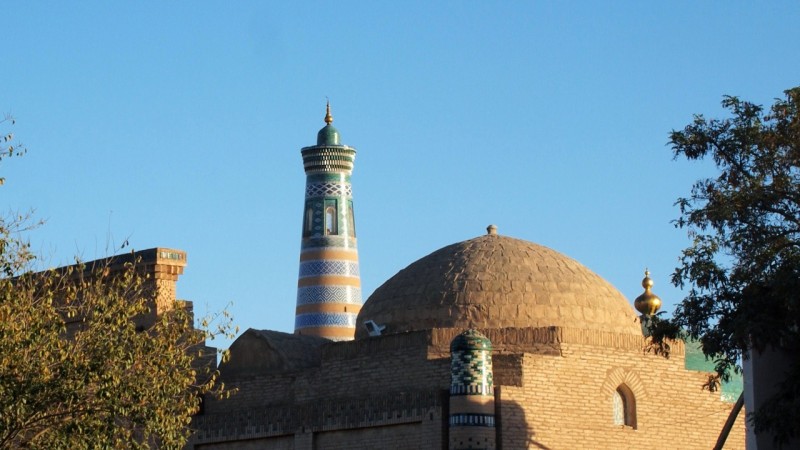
x,y
7,147
743,267
84,362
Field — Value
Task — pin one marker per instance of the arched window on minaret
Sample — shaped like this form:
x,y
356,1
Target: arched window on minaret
x,y
308,226
624,406
331,225
351,219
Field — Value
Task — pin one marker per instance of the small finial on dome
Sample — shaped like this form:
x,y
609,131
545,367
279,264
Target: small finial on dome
x,y
328,116
491,229
647,303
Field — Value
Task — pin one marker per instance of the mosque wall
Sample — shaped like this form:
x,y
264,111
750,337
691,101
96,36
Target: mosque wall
x,y
554,391
406,362
395,419
353,369
273,443
374,393
567,402
426,434
377,366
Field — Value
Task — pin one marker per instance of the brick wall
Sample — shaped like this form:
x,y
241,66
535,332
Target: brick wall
x,y
565,403
423,435
273,443
554,386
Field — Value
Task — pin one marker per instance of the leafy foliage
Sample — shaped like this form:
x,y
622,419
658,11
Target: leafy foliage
x,y
7,146
86,363
743,267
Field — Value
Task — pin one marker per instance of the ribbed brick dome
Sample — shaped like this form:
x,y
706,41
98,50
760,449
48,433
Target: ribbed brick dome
x,y
496,281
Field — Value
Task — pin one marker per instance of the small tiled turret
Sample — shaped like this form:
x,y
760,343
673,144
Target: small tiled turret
x,y
472,406
328,287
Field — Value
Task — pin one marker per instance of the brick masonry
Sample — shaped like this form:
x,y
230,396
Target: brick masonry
x,y
553,389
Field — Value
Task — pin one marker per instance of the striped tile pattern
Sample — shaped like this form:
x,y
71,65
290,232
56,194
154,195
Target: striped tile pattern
x,y
472,420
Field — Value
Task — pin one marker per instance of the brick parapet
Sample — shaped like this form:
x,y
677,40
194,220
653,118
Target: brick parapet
x,y
374,346
508,369
611,340
160,262
544,340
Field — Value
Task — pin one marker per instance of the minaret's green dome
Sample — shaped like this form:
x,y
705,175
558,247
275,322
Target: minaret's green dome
x,y
470,340
328,135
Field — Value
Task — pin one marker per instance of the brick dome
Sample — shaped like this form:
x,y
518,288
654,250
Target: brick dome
x,y
496,281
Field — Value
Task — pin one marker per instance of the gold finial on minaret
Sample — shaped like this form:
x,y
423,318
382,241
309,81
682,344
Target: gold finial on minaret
x,y
328,116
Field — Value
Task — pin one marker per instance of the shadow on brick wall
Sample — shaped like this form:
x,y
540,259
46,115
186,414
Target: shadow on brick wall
x,y
513,431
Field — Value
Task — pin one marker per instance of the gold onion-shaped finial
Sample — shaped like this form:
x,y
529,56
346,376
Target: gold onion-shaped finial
x,y
328,116
647,303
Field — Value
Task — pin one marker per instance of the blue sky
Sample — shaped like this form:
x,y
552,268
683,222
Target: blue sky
x,y
180,124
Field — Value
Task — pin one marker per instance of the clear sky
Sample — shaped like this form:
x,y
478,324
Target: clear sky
x,y
179,124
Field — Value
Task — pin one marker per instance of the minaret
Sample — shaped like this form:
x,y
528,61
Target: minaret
x,y
472,405
329,287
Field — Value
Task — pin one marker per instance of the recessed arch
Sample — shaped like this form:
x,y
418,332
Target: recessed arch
x,y
308,221
623,406
331,218
625,392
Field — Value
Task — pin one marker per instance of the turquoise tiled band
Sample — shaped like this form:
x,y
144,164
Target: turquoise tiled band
x,y
322,319
309,295
329,267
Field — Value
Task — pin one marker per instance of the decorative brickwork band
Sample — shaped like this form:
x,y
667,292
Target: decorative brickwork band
x,y
472,389
472,419
328,285
328,189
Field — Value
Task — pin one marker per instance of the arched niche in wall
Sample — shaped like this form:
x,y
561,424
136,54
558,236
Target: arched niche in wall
x,y
625,392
